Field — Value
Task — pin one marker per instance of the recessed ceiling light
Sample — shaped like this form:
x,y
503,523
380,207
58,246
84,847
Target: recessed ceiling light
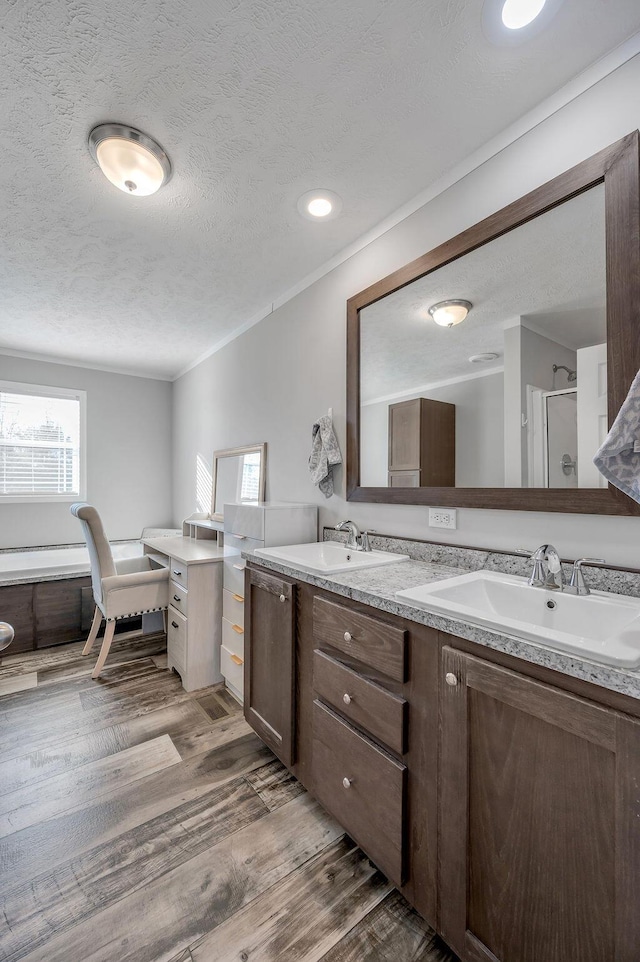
x,y
451,312
518,13
129,159
483,358
319,204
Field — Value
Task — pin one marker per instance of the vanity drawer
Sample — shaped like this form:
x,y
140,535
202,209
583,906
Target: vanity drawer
x,y
233,637
176,637
382,714
179,572
239,542
233,578
366,639
178,597
233,607
362,787
232,667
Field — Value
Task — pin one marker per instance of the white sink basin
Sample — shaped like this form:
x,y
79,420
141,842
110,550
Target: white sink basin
x,y
602,626
327,557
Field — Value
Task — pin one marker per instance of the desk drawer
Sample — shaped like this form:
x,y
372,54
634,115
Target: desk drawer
x,y
179,572
232,667
233,638
366,639
362,787
178,597
233,607
382,714
233,579
176,638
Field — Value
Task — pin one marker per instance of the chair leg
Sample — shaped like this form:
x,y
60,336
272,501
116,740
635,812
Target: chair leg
x,y
93,634
104,651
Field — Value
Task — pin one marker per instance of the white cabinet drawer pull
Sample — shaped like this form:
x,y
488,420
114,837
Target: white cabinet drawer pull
x,y
451,679
239,567
282,598
346,698
347,636
346,782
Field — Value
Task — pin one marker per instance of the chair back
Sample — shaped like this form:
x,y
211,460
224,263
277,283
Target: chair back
x,y
102,563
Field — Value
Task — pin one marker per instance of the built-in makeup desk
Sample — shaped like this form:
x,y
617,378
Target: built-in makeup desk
x,y
194,618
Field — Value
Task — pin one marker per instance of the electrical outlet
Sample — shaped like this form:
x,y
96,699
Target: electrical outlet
x,y
442,518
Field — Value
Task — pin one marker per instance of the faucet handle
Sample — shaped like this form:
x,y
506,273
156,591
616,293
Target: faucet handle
x,y
524,551
587,561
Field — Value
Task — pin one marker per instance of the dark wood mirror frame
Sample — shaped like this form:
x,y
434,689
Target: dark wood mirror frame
x,y
618,167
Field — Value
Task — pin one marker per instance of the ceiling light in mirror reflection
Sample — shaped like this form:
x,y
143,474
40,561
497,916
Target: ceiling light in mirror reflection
x,y
519,13
539,300
451,312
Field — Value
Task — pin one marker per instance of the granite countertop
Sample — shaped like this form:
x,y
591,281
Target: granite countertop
x,y
377,587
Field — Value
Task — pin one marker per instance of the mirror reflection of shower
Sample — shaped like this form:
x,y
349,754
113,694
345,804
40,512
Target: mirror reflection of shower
x,y
572,376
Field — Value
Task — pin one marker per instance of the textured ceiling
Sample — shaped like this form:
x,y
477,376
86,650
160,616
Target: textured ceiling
x,y
550,272
255,101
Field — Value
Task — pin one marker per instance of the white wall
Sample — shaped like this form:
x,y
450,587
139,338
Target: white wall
x,y
271,383
479,405
128,456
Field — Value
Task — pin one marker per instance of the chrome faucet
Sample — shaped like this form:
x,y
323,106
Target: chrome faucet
x,y
547,568
577,584
355,541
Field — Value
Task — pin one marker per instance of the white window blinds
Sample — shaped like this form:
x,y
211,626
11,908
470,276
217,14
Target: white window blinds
x,y
39,444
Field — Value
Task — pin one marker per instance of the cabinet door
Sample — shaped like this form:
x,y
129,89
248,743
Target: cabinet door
x,y
404,435
269,666
16,607
539,820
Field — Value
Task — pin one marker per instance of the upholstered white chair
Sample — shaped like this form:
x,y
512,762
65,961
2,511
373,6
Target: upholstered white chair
x,y
120,590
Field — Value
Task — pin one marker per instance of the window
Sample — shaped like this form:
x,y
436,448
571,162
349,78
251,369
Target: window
x,y
250,480
41,443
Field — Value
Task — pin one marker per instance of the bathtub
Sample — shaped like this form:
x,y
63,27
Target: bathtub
x,y
48,564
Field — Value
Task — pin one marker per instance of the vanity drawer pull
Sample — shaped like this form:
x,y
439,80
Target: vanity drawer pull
x,y
239,567
174,624
177,598
346,782
177,572
283,598
238,629
451,679
346,698
240,537
237,660
347,636
238,597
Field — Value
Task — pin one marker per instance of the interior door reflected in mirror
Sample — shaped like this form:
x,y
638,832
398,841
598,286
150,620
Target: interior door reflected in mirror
x,y
238,476
511,394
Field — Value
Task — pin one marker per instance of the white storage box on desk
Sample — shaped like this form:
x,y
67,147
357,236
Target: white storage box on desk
x,y
246,527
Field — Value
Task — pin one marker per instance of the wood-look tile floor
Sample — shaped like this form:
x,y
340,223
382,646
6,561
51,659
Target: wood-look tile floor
x,y
140,822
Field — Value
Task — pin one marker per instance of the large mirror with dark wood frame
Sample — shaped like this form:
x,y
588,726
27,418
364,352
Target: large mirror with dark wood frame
x,y
487,372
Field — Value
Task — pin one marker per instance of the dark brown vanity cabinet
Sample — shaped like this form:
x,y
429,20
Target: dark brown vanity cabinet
x,y
505,806
269,666
422,444
539,846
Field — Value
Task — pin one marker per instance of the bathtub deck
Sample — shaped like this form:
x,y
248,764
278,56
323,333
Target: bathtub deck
x,y
141,822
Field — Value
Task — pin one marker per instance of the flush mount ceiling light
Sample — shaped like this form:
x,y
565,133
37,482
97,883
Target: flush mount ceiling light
x,y
129,159
451,312
319,204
